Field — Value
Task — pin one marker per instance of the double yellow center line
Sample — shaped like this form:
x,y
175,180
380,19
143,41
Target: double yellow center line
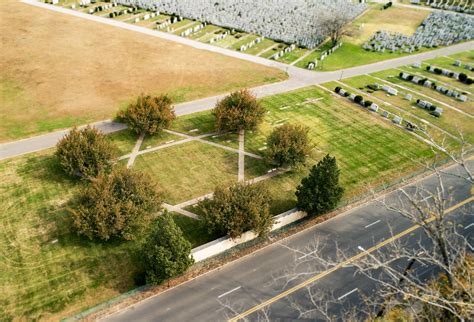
x,y
342,264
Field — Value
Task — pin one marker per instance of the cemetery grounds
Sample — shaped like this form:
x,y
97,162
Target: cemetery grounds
x,y
48,272
50,86
350,54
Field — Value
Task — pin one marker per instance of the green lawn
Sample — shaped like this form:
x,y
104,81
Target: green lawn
x,y
194,230
368,149
47,271
189,170
450,121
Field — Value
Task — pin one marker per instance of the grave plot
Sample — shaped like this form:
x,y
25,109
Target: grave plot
x,y
445,80
449,121
391,77
438,29
344,130
189,170
455,5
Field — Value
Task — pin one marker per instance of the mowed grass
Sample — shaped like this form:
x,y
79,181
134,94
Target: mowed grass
x,y
47,271
189,170
369,150
451,120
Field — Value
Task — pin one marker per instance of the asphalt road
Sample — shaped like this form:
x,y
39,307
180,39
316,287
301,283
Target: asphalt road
x,y
241,285
298,77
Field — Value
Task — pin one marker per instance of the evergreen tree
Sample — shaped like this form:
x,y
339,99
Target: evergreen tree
x,y
320,191
166,253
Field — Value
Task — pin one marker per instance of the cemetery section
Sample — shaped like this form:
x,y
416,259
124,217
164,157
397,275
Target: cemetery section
x,y
51,85
50,273
375,34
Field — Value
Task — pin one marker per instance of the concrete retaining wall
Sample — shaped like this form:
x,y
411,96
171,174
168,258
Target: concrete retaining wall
x,y
223,244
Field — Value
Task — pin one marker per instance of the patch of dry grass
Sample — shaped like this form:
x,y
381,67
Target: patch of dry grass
x,y
57,71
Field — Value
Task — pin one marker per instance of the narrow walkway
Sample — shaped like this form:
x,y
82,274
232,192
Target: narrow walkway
x,y
241,175
180,211
423,95
135,151
265,50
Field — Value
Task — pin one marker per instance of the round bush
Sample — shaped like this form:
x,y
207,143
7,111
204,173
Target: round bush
x,y
358,99
337,89
368,103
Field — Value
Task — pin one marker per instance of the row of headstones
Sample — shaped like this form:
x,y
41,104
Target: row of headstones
x,y
219,37
160,25
296,22
434,110
283,52
459,6
458,63
373,107
443,71
439,88
438,29
188,32
313,64
251,44
368,104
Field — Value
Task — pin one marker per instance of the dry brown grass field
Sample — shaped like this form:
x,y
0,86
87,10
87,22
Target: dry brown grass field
x,y
395,19
57,71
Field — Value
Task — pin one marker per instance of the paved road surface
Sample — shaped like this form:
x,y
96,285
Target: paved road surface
x,y
249,281
298,78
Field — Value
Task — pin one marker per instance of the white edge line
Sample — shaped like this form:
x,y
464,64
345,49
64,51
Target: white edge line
x,y
347,294
468,226
228,292
375,222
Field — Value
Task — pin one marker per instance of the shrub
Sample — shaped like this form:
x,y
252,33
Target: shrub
x,y
237,209
469,81
165,252
428,68
462,77
148,115
368,103
85,153
118,205
438,71
347,94
337,89
288,145
320,191
410,77
372,87
358,99
238,111
422,81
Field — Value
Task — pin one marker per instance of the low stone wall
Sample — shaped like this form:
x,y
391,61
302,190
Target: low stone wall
x,y
223,244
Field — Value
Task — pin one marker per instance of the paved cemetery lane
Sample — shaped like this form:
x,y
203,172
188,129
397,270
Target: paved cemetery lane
x,y
249,282
303,78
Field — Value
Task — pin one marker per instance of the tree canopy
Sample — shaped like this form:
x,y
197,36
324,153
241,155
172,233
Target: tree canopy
x,y
149,114
85,153
320,191
288,145
166,253
238,111
116,205
236,209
